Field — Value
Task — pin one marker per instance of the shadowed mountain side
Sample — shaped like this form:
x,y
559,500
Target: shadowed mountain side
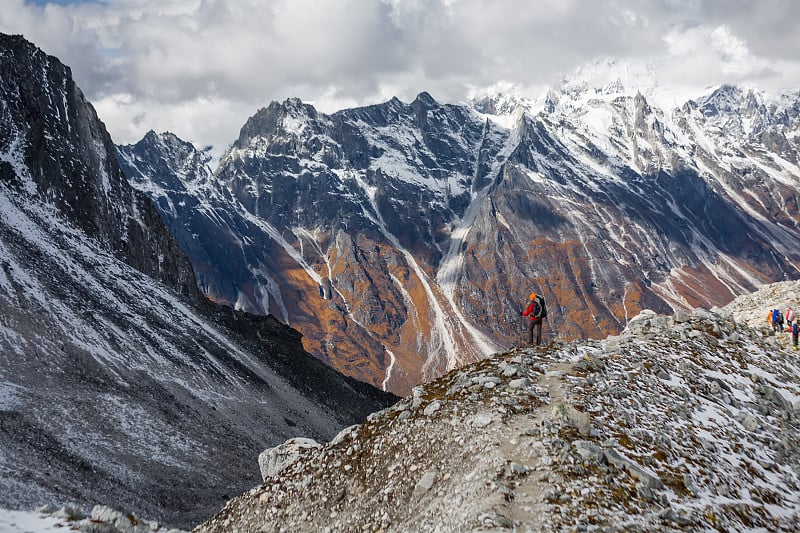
x,y
116,373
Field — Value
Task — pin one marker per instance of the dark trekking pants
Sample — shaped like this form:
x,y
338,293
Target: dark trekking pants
x,y
537,334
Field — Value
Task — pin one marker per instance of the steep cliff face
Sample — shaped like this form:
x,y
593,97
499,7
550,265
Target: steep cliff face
x,y
119,381
50,130
402,239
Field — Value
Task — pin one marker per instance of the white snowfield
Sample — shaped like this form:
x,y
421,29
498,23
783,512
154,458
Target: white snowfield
x,y
29,522
47,519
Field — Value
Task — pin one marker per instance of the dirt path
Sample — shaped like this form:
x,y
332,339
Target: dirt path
x,y
529,479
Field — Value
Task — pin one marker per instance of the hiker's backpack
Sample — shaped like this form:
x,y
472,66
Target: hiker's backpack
x,y
541,311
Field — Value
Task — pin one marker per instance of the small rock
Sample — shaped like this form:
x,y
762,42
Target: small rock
x,y
644,492
69,513
346,433
748,421
680,317
432,408
273,460
98,527
520,470
637,472
103,513
590,363
481,421
510,371
589,451
566,415
519,383
425,483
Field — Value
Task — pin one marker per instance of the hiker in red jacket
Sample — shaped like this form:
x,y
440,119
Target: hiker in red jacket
x,y
536,312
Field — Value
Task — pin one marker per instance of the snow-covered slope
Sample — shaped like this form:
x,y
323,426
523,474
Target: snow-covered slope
x,y
120,383
682,423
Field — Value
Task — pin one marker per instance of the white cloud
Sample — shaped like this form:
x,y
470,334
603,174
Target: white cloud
x,y
199,68
703,56
733,55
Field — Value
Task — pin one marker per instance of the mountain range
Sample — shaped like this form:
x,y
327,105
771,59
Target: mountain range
x,y
120,381
403,239
149,355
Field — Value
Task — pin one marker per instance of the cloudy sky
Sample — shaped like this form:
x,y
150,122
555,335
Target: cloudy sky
x,y
199,68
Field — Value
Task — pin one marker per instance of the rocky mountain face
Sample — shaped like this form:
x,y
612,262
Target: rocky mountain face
x,y
120,382
56,150
289,226
403,239
681,423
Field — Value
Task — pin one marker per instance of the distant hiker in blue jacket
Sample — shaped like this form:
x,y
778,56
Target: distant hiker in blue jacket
x,y
795,331
777,320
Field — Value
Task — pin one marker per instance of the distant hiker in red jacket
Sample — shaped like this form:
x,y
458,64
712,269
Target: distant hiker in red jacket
x,y
789,318
536,311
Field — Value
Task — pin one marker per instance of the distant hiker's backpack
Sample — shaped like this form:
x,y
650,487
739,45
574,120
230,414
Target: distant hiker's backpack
x,y
541,307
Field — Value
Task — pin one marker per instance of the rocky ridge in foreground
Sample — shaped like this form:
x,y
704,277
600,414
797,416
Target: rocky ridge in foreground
x,y
689,421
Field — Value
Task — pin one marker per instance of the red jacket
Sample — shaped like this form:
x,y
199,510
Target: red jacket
x,y
531,311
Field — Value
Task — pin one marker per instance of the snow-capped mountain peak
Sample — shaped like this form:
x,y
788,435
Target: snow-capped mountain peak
x,y
609,78
291,118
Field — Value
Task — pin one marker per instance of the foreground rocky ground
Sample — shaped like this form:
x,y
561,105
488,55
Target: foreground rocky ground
x,y
687,422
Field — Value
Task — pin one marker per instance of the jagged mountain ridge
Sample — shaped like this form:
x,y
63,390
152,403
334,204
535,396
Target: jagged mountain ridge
x,y
401,238
120,382
683,422
259,226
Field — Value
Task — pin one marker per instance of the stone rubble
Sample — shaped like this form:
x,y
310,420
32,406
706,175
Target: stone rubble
x,y
688,422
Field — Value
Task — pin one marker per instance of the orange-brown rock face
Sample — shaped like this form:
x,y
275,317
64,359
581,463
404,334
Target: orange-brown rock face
x,y
402,240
